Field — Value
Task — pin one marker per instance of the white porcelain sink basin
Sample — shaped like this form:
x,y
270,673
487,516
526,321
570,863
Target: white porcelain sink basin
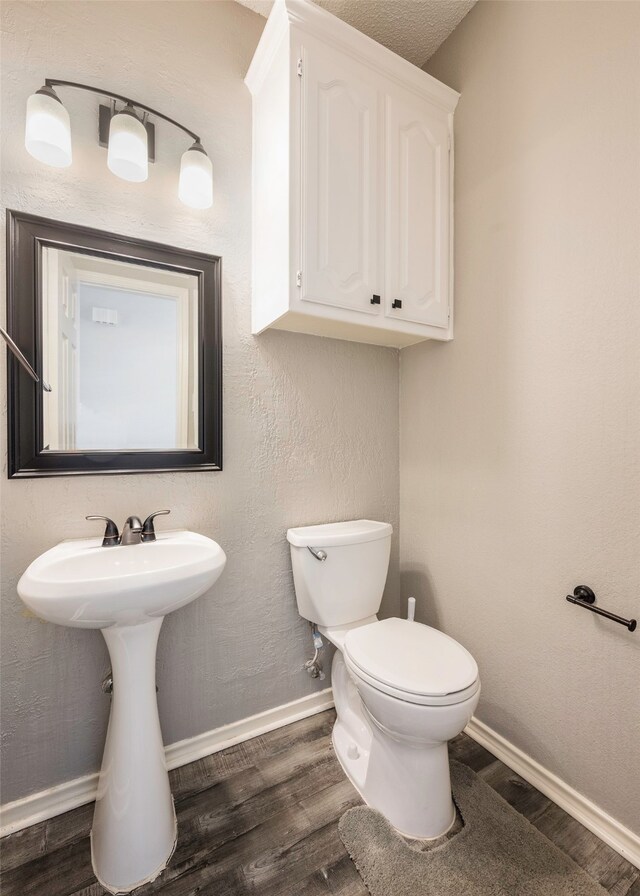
x,y
82,584
126,590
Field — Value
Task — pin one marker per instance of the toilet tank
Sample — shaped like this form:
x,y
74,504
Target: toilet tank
x,y
347,586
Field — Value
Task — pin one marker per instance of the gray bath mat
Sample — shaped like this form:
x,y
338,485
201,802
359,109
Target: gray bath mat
x,y
497,852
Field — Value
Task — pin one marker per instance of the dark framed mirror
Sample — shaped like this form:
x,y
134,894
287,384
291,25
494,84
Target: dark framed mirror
x,y
126,338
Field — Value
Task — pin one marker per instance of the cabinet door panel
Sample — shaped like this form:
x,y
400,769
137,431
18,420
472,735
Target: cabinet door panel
x,y
418,214
340,181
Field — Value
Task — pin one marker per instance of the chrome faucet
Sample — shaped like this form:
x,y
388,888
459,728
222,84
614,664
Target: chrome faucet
x,y
134,532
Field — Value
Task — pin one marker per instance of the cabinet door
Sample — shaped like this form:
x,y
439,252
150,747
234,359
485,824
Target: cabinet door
x,y
341,180
417,210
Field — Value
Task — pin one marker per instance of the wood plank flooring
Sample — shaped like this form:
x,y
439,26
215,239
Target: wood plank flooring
x,y
262,818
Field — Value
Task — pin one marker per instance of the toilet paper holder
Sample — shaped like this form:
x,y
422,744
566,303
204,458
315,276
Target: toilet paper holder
x,y
583,596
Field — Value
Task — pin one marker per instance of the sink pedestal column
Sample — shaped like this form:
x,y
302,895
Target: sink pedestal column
x,y
134,824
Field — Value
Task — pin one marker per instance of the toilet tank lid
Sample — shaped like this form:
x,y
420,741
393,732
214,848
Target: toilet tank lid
x,y
330,535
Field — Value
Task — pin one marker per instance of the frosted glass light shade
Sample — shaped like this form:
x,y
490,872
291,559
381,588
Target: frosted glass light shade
x,y
47,135
196,178
127,155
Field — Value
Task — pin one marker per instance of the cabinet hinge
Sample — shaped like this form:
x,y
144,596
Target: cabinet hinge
x,y
299,68
299,278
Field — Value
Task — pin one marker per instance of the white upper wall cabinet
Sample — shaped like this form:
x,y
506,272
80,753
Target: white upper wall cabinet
x,y
352,185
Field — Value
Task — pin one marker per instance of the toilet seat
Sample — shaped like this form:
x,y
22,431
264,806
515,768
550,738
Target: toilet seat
x,y
412,662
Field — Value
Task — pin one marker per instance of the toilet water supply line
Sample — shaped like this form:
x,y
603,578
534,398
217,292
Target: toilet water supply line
x,y
313,667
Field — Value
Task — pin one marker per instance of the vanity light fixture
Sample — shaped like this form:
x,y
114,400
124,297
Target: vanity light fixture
x,y
128,135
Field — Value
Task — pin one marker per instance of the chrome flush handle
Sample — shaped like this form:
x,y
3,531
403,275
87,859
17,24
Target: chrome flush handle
x,y
318,553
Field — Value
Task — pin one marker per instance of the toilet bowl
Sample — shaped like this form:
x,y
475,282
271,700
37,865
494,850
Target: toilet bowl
x,y
401,689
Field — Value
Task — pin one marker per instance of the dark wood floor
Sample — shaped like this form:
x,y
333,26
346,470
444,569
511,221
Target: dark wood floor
x,y
262,818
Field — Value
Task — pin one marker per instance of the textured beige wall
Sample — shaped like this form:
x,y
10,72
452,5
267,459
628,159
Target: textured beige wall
x,y
311,425
520,440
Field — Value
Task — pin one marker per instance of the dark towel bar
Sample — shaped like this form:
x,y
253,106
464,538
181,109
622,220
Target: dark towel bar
x,y
583,596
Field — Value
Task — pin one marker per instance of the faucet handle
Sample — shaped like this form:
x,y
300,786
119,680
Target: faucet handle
x,y
148,531
111,536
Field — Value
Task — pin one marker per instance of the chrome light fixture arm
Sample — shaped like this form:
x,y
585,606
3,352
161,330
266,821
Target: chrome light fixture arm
x,y
55,82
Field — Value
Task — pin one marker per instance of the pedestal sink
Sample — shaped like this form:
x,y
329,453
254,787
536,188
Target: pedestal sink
x,y
126,591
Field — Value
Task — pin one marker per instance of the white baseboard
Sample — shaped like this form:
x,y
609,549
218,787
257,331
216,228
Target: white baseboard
x,y
575,804
63,797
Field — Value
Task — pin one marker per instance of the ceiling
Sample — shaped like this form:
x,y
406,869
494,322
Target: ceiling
x,y
413,29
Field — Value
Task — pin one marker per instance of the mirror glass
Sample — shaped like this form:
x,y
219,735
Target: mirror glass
x,y
120,352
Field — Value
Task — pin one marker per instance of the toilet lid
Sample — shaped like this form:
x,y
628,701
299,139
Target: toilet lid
x,y
411,657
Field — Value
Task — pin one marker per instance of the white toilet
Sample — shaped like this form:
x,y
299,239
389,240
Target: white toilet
x,y
401,689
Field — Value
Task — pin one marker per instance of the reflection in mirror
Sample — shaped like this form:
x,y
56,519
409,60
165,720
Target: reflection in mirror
x,y
120,350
